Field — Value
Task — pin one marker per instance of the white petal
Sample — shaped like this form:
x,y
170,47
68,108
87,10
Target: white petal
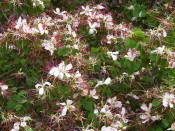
x,y
4,87
63,104
165,103
64,111
41,91
69,102
47,83
61,75
23,124
107,81
67,75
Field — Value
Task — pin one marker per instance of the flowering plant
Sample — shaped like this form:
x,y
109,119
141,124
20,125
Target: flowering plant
x,y
88,69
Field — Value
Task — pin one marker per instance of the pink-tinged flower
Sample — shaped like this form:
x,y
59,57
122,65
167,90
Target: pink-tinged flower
x,y
3,88
93,94
114,55
109,128
70,31
106,82
61,70
110,38
159,50
92,27
87,11
20,23
145,117
157,117
168,100
114,103
42,29
146,108
67,106
131,54
106,111
122,115
49,45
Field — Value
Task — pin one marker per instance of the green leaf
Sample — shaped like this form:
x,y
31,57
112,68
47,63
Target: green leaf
x,y
155,102
138,33
88,105
95,50
165,123
131,43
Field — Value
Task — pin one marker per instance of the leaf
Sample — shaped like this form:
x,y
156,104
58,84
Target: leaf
x,y
155,102
95,50
138,33
88,105
165,123
131,43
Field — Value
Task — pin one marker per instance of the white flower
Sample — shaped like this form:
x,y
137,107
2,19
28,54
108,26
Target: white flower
x,y
131,7
146,108
131,54
67,106
113,54
145,117
172,127
93,94
114,103
168,100
110,38
96,111
106,82
61,70
159,50
92,27
23,124
20,23
42,29
58,12
106,111
4,87
49,45
99,7
109,128
157,117
87,10
16,126
41,87
70,31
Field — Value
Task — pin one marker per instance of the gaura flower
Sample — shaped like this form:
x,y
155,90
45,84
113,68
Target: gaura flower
x,y
67,106
92,27
113,54
131,54
87,10
106,82
42,28
172,127
61,70
3,88
42,87
168,100
93,94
